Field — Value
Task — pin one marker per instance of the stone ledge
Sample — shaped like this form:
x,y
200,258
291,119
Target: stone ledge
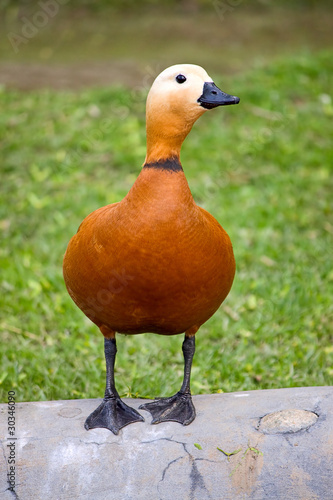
x,y
56,458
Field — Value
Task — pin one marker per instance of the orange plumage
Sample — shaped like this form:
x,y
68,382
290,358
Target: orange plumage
x,y
155,261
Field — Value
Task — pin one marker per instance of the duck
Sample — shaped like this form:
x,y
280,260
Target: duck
x,y
154,262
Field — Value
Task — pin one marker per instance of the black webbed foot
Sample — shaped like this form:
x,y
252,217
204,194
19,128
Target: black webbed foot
x,y
177,408
112,414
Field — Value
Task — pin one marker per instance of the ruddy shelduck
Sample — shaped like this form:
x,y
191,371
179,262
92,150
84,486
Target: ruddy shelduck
x,y
154,262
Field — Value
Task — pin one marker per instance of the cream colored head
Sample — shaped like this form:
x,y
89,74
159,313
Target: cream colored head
x,y
177,98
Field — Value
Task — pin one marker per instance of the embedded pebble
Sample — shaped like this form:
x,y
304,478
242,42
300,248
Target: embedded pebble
x,y
291,420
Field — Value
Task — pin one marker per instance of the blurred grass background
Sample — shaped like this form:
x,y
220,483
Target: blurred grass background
x,y
72,132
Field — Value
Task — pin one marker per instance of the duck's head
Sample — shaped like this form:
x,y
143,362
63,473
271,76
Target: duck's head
x,y
177,98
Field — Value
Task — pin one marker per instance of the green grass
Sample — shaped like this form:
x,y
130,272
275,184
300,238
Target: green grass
x,y
262,168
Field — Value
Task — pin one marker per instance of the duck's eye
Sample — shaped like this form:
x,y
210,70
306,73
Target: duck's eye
x,y
180,78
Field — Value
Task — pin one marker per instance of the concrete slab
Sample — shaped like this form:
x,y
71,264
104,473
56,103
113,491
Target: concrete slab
x,y
56,458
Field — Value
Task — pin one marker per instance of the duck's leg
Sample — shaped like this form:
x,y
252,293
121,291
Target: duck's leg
x,y
177,408
112,413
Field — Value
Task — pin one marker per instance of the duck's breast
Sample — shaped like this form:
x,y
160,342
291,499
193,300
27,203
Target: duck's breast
x,y
153,262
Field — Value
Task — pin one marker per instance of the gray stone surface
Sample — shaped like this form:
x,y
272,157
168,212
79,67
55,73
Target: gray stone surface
x,y
56,459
